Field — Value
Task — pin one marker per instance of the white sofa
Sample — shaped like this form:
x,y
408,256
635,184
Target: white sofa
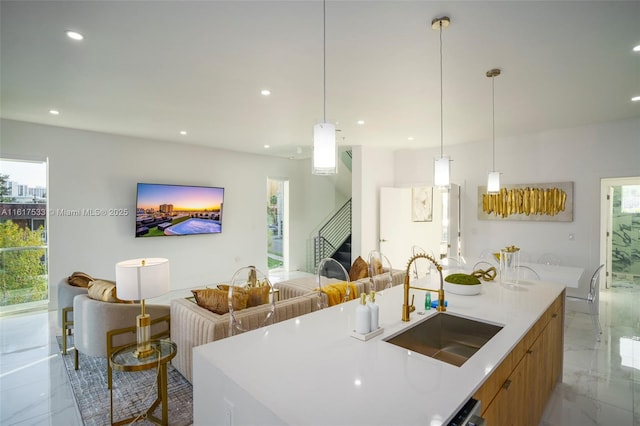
x,y
193,326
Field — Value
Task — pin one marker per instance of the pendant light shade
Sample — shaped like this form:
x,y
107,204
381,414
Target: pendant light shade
x,y
442,172
441,169
493,180
324,149
324,134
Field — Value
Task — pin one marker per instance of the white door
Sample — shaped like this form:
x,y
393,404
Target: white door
x,y
398,232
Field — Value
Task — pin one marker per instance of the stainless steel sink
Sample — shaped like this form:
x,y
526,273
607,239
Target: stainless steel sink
x,y
446,337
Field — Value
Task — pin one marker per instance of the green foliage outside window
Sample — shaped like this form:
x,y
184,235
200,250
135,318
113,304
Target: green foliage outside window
x,y
4,188
22,271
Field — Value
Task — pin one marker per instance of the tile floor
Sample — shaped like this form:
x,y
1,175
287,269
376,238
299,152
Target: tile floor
x,y
601,386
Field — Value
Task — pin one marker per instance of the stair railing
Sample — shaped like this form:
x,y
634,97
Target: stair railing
x,y
332,234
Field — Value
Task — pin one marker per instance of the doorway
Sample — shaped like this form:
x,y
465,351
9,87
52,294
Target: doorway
x,y
436,232
24,280
621,227
277,224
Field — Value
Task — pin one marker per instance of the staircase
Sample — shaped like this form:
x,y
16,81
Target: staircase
x,y
343,254
333,239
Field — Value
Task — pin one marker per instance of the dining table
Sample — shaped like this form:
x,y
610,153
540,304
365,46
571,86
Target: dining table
x,y
567,275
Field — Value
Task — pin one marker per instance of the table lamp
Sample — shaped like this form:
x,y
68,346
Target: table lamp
x,y
140,279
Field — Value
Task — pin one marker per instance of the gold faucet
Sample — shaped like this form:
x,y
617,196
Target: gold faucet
x,y
408,308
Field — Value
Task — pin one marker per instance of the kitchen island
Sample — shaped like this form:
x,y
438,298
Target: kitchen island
x,y
311,371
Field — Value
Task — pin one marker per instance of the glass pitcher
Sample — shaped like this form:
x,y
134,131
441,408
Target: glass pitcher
x,y
509,263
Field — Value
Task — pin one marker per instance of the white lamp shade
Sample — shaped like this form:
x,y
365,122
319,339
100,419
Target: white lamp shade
x,y
324,149
139,279
493,182
441,171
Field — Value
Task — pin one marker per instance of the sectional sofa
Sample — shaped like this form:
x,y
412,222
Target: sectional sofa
x,y
192,325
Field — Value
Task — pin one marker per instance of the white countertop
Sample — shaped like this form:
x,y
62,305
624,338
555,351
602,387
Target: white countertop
x,y
309,370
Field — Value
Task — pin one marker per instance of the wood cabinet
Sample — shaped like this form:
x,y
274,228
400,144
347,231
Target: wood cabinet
x,y
519,388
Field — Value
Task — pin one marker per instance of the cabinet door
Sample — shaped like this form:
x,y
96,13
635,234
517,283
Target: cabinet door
x,y
523,397
554,342
508,407
536,378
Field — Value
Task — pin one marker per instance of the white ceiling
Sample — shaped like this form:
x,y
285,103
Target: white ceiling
x,y
150,69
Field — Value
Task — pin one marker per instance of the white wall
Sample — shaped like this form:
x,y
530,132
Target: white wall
x,y
373,168
582,155
97,170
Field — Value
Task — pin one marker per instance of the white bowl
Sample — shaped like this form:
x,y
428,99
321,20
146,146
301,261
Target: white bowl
x,y
462,289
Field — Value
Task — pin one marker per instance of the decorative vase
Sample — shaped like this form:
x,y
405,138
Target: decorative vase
x,y
509,263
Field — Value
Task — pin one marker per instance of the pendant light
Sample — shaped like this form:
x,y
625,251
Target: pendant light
x,y
441,169
493,180
324,134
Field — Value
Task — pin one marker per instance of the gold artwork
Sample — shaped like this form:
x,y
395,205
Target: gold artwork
x,y
528,202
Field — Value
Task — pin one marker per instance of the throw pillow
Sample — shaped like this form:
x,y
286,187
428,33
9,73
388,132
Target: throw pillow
x,y
80,279
359,269
377,266
255,295
217,300
103,290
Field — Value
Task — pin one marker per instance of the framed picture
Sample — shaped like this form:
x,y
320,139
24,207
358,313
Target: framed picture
x,y
549,202
422,204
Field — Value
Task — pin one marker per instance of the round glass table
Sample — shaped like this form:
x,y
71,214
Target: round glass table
x,y
124,359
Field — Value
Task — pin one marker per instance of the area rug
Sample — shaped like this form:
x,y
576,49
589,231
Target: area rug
x,y
133,392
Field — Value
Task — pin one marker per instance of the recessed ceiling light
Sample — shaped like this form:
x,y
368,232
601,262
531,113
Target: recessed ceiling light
x,y
265,92
361,122
74,35
54,112
183,132
635,99
636,48
410,138
267,146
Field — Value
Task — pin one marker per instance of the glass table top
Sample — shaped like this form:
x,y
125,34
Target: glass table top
x,y
124,359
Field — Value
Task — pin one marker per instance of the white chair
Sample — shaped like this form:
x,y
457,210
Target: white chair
x,y
449,263
329,272
549,259
102,327
421,267
591,299
484,265
527,273
489,255
66,293
250,288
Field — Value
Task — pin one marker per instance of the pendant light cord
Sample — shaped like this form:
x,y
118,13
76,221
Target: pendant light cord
x,y
324,60
441,107
493,121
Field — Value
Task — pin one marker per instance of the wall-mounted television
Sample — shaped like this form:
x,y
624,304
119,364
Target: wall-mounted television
x,y
175,210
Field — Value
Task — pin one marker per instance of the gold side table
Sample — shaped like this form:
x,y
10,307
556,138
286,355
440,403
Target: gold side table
x,y
124,360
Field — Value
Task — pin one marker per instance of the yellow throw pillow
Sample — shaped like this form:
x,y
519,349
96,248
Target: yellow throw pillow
x,y
217,300
359,269
103,290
